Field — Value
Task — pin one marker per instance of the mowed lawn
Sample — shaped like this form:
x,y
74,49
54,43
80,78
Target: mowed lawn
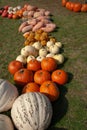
x,y
70,110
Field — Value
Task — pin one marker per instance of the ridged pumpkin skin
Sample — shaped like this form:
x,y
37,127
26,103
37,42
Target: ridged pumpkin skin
x,y
5,123
32,111
8,93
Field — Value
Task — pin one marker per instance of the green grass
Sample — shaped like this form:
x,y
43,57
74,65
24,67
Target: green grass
x,y
70,111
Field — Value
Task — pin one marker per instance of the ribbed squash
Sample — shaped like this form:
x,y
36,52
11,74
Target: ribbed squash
x,y
32,111
8,93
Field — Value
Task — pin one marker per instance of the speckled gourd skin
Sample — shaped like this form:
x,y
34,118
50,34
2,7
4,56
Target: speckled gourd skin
x,y
32,111
8,93
5,123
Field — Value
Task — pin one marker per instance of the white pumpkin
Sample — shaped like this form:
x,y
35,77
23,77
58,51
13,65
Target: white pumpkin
x,y
8,93
30,57
59,58
32,111
59,44
49,43
54,49
19,7
22,59
5,123
43,52
24,52
40,58
32,50
37,45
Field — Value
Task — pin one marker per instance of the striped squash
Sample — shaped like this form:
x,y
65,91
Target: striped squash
x,y
8,93
32,111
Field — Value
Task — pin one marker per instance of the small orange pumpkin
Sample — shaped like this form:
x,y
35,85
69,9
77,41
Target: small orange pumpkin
x,y
84,8
50,89
64,2
41,75
60,77
34,65
31,87
77,7
48,64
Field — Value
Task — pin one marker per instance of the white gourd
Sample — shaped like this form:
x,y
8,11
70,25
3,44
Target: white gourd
x,y
43,52
37,45
40,58
54,49
31,50
59,44
8,94
5,123
24,52
32,111
49,43
30,57
59,58
22,59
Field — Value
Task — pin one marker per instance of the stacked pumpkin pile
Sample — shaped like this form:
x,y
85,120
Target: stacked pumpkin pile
x,y
74,6
36,74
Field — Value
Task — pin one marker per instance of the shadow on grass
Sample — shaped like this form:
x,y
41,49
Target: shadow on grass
x,y
60,108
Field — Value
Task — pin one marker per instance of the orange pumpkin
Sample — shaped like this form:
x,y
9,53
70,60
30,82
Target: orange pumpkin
x,y
77,7
14,16
68,5
34,65
50,89
14,66
31,87
84,8
48,64
41,75
64,2
60,77
23,76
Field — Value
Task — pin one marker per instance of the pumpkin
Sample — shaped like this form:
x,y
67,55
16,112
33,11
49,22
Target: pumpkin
x,y
50,89
50,43
31,50
5,123
39,58
59,58
59,76
43,52
49,64
8,93
37,45
24,52
84,8
21,58
64,2
54,49
31,87
77,7
41,75
32,111
30,57
14,66
34,65
23,76
68,5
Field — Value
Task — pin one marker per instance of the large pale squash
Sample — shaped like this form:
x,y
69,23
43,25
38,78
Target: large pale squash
x,y
8,94
5,123
31,111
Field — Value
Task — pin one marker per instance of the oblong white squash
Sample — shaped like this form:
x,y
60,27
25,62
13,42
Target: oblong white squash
x,y
32,111
5,123
8,93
